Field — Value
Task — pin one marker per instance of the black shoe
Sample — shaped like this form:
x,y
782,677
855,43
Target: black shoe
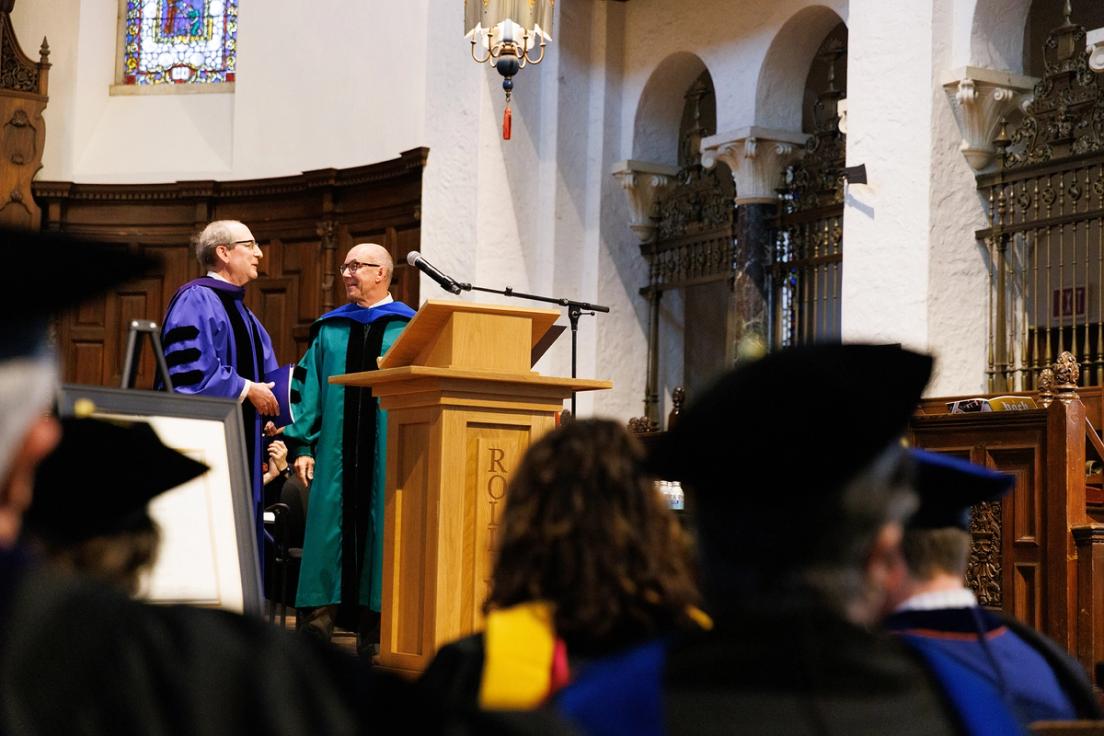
x,y
368,635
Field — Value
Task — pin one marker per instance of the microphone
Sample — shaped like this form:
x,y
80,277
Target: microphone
x,y
415,259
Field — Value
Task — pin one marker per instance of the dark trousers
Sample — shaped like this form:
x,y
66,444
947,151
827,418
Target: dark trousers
x,y
319,623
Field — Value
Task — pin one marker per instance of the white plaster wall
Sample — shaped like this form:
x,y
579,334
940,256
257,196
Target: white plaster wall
x,y
305,98
995,30
529,213
958,277
887,223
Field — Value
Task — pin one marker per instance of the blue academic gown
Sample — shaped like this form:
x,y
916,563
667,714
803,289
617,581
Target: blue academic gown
x,y
784,672
982,643
212,344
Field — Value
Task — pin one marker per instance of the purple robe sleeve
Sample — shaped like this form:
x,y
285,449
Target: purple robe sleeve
x,y
197,341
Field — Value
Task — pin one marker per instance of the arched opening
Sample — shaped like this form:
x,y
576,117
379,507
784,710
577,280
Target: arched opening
x,y
806,268
1044,17
779,97
997,34
659,112
690,260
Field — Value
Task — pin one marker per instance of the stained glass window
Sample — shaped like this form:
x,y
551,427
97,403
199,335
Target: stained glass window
x,y
180,41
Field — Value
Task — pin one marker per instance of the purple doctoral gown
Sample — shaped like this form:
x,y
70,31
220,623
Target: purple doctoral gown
x,y
212,344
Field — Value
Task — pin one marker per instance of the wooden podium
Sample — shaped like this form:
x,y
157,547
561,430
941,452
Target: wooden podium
x,y
462,405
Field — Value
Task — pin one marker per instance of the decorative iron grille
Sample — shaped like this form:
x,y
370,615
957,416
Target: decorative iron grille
x,y
696,218
696,223
807,254
1046,209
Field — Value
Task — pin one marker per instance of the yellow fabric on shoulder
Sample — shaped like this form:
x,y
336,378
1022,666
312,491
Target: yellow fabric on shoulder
x,y
518,646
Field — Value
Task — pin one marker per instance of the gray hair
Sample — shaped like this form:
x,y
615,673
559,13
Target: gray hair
x,y
881,495
26,390
215,234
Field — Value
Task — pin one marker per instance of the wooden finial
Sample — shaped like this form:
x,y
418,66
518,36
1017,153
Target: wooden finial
x,y
44,51
1066,374
1067,11
678,398
1046,387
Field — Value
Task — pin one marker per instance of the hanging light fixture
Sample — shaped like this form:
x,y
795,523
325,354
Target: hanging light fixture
x,y
508,30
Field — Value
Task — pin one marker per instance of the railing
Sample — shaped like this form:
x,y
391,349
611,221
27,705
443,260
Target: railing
x,y
1046,264
807,272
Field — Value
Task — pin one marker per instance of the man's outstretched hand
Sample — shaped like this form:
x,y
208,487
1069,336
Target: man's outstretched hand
x,y
261,396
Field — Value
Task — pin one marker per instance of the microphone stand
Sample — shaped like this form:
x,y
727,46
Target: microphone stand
x,y
575,309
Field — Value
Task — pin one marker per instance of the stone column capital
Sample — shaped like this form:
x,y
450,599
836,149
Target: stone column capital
x,y
1094,42
643,183
756,157
980,98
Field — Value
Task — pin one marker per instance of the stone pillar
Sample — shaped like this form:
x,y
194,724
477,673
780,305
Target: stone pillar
x,y
756,157
980,98
643,183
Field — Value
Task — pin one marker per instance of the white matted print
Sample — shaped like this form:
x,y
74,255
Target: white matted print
x,y
208,555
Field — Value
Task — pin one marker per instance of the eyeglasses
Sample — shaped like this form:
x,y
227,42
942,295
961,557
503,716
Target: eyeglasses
x,y
251,243
354,266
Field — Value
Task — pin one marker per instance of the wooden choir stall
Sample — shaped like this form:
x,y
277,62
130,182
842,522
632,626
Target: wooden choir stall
x,y
463,405
1038,554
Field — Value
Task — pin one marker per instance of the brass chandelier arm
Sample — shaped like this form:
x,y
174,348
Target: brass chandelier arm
x,y
524,58
491,55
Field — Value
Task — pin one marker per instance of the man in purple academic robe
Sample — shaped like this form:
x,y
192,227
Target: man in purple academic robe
x,y
215,346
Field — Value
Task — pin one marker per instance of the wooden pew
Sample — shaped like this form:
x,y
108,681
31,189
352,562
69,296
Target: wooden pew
x,y
1037,554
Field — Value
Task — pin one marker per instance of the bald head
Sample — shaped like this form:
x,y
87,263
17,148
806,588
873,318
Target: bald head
x,y
367,271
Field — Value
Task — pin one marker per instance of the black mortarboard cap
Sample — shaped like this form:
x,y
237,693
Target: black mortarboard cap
x,y
794,425
73,501
67,271
949,487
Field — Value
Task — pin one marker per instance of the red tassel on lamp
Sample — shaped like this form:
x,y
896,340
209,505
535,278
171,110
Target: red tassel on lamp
x,y
506,34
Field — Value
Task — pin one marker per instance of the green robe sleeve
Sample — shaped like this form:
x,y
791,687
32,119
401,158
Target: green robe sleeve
x,y
307,382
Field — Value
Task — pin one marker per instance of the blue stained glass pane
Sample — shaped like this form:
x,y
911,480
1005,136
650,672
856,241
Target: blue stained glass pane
x,y
180,41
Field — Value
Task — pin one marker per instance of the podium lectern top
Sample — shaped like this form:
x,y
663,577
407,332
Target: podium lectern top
x,y
463,335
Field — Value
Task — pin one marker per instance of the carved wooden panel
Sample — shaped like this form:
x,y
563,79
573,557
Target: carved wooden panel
x,y
304,225
23,97
1022,529
984,567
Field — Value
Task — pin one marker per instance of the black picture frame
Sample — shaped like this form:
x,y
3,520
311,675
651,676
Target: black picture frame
x,y
227,486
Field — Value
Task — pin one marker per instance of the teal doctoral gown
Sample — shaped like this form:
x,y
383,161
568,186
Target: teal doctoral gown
x,y
346,432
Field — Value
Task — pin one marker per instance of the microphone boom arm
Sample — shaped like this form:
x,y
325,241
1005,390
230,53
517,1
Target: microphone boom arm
x,y
575,309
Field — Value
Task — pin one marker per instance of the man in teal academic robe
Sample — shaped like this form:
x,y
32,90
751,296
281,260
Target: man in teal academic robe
x,y
339,437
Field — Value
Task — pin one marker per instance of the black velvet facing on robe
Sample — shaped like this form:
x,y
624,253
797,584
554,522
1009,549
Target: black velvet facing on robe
x,y
180,357
179,334
357,449
249,359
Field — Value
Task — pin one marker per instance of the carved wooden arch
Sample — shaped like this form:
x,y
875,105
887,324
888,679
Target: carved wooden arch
x,y
23,96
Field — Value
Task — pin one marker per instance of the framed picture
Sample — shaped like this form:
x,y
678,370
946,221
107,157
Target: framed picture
x,y
208,555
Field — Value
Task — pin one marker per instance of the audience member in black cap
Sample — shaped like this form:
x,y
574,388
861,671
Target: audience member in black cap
x,y
797,480
933,610
103,531
78,656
